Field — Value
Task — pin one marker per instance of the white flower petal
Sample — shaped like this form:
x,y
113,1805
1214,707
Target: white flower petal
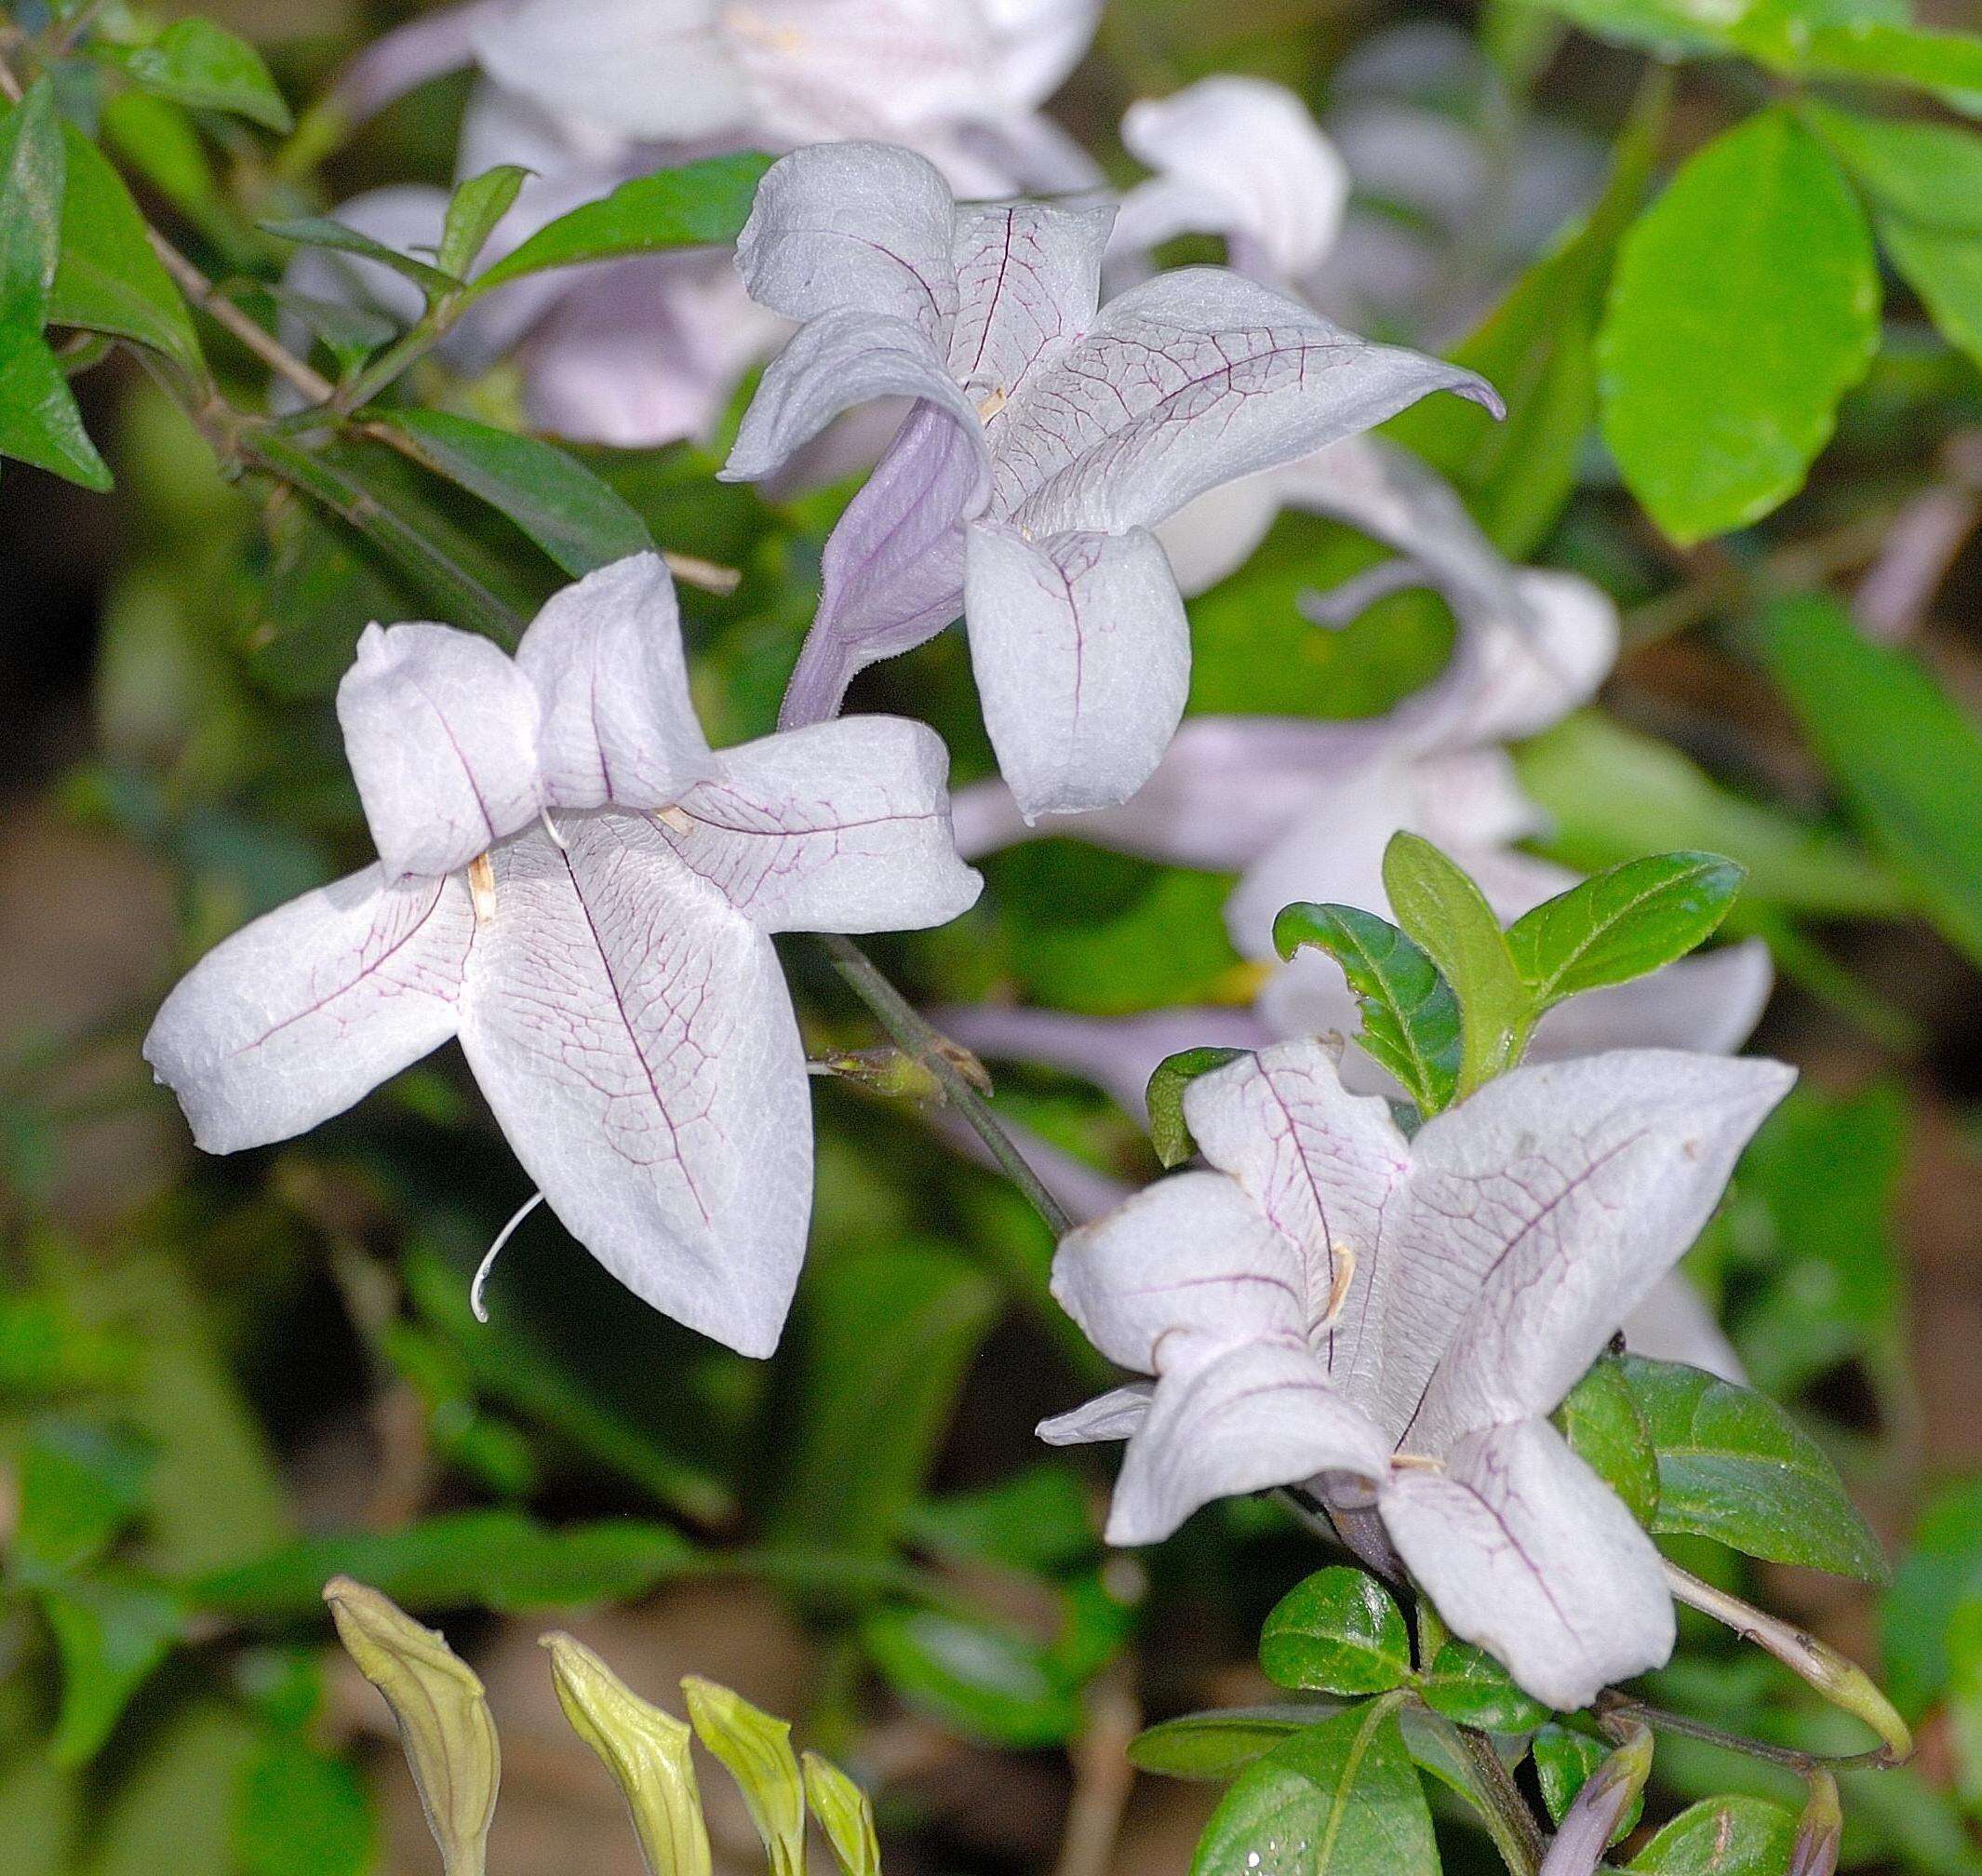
x,y
299,1014
1240,158
605,656
1528,1553
1028,279
642,68
1113,1415
1563,646
1038,44
441,731
632,1032
843,826
853,227
1189,1259
424,47
1543,1209
1082,658
1673,1324
1213,536
1260,1414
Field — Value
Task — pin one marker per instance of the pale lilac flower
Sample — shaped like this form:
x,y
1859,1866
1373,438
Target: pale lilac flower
x,y
1047,440
576,886
1389,1323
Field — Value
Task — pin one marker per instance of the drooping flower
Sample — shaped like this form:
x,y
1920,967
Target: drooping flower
x,y
576,886
1047,438
1389,1323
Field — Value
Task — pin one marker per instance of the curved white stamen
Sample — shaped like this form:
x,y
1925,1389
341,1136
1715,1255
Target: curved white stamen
x,y
488,1263
550,827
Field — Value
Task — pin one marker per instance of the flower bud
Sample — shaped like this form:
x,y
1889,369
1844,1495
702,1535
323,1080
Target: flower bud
x,y
449,1738
1814,1851
845,1814
1599,1807
646,1750
756,1749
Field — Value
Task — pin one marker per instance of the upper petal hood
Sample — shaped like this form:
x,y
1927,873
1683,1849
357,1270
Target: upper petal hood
x,y
1028,279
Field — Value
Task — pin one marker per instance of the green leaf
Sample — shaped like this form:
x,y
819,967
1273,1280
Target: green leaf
x,y
1563,1760
1340,1631
1940,1573
325,231
496,1560
1410,1016
196,63
1038,1520
1340,1799
1440,907
983,1680
1745,303
1733,1836
39,423
1623,924
109,280
1469,1687
80,1485
472,212
1927,173
31,206
353,333
1605,1429
1944,266
1965,1699
1947,64
579,522
1216,1745
111,1631
1734,1467
1907,762
1169,1132
299,1812
1612,793
697,205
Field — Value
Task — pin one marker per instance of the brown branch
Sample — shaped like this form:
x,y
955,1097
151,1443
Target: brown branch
x,y
1102,1776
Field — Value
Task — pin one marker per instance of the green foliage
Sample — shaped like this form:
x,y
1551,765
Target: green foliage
x,y
299,1812
1939,1575
978,1676
1734,1467
1722,1837
327,231
1169,1132
1038,1520
1563,1760
198,63
1469,1686
1410,1017
1605,1427
474,210
1745,303
1339,1631
1216,1745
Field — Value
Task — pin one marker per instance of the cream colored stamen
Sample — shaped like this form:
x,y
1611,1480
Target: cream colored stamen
x,y
481,887
991,404
674,818
1343,1258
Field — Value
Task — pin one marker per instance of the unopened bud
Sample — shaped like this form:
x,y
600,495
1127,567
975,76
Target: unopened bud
x,y
1845,1684
646,1750
445,1728
845,1814
756,1751
1814,1851
1597,1809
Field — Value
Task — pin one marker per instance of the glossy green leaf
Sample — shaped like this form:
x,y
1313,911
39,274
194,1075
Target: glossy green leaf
x,y
1169,1132
1927,173
1340,1799
1440,907
694,206
1340,1631
326,230
1623,924
1734,1467
1563,1760
577,519
350,332
31,161
1410,1016
1940,1573
498,1560
1907,760
112,1632
1219,1744
1944,266
39,423
299,1812
79,1485
1605,1427
1947,64
196,63
1745,303
1733,1836
985,1680
1468,1685
472,212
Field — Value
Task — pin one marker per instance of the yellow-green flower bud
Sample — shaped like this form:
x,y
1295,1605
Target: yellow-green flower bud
x,y
756,1750
646,1750
845,1814
443,1719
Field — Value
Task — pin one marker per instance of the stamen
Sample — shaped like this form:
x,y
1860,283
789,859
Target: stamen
x,y
1415,1462
488,1263
481,887
992,403
550,827
673,817
1343,1257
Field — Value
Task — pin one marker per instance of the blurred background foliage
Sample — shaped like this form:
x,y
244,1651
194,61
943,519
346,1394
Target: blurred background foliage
x,y
223,1381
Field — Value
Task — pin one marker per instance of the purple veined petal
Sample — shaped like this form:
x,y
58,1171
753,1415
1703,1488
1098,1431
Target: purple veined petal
x,y
632,1032
1113,1415
1028,280
893,566
1325,1167
405,59
606,660
1189,1260
1709,1002
1117,1053
843,826
1082,653
1673,1324
1528,1553
1038,43
441,728
1240,157
834,362
1239,1420
854,228
1191,379
639,68
305,1010
1542,1209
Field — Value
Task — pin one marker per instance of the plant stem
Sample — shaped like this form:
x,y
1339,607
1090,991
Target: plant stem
x,y
217,307
1660,1720
1503,1809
